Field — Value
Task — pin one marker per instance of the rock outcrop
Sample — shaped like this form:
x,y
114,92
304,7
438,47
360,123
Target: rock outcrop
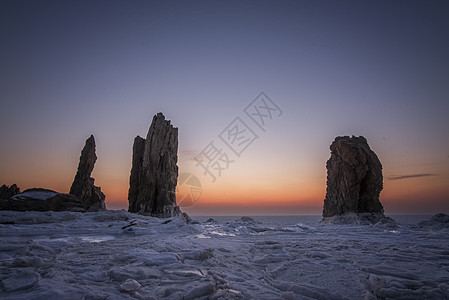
x,y
354,178
154,172
84,195
83,185
39,199
7,192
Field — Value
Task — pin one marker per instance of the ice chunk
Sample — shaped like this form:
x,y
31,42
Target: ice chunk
x,y
441,218
247,219
97,239
438,221
202,236
123,273
93,276
39,194
183,274
4,256
27,262
55,289
198,254
148,256
109,216
201,290
288,296
20,281
130,285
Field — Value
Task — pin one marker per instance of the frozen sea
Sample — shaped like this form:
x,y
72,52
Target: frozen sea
x,y
119,255
309,220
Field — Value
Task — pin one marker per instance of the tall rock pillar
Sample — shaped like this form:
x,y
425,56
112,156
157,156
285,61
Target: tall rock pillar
x,y
354,178
154,172
83,185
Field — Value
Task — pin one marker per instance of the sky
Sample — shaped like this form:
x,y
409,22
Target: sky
x,y
69,69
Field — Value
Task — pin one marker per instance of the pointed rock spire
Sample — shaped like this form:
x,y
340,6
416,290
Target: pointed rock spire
x,y
83,185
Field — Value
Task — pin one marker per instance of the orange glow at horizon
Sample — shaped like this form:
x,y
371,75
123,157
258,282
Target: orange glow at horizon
x,y
398,196
258,193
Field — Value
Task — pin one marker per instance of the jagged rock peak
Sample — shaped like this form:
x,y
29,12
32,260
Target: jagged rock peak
x,y
83,184
354,178
154,172
7,192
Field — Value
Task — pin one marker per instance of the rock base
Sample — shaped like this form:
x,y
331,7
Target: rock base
x,y
361,219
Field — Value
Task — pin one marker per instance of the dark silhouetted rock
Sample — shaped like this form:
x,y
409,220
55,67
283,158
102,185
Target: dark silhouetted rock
x,y
354,178
136,174
7,192
24,205
67,202
84,195
83,185
154,172
39,199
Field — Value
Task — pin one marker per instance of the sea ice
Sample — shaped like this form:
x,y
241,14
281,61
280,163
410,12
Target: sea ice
x,y
119,255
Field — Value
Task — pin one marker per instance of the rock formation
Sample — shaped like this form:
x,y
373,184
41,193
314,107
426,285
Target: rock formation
x,y
154,172
354,178
83,185
39,199
84,195
7,192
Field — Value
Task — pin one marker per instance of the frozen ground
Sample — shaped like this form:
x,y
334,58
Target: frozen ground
x,y
117,255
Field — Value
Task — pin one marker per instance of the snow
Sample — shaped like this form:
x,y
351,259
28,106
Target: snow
x,y
118,255
40,195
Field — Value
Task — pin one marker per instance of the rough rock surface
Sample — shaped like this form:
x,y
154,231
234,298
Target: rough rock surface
x,y
7,192
154,172
354,178
83,185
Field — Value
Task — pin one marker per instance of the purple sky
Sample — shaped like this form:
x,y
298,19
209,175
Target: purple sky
x,y
380,69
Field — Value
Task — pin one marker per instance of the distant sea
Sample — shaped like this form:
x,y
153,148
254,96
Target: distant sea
x,y
306,219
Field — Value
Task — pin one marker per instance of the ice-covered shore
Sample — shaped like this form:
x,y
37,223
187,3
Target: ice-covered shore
x,y
118,255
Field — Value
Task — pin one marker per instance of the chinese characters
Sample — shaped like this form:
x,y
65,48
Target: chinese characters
x,y
235,138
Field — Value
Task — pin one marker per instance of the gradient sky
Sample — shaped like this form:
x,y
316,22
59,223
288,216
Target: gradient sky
x,y
379,69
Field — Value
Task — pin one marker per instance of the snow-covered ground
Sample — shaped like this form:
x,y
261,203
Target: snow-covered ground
x,y
118,255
